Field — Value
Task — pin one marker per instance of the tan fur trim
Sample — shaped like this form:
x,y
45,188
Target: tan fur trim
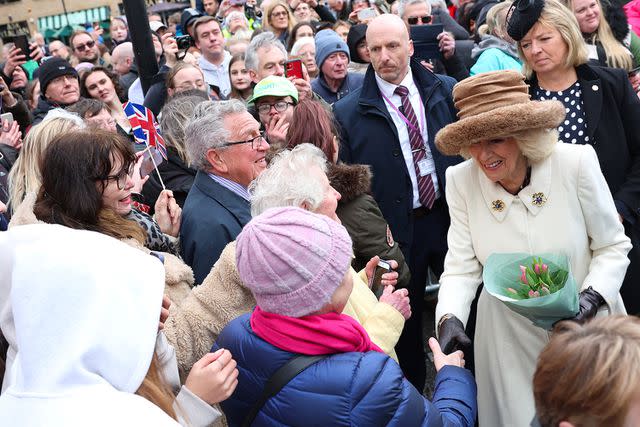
x,y
500,122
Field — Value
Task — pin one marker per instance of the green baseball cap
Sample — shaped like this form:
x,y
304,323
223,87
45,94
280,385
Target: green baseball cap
x,y
274,86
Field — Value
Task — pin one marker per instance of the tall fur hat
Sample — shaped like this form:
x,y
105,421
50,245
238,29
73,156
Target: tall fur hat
x,y
493,105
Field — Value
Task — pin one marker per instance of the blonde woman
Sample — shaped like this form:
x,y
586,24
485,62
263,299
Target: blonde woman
x,y
25,173
496,50
601,107
280,20
602,45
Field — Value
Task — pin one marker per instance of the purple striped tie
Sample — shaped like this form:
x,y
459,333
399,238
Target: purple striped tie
x,y
426,189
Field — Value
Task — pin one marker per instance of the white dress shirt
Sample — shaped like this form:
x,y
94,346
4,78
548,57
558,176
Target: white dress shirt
x,y
388,91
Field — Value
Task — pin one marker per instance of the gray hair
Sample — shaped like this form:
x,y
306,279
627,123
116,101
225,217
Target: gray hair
x,y
205,131
287,181
402,5
173,119
266,40
302,41
535,144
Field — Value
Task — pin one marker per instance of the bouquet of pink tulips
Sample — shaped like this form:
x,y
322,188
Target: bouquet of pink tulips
x,y
538,287
538,280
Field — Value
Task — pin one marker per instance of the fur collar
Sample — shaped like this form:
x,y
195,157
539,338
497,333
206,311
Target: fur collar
x,y
350,181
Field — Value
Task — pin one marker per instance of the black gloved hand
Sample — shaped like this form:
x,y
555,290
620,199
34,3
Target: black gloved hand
x,y
453,337
590,301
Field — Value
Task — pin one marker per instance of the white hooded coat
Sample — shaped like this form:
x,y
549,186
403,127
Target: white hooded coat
x,y
86,310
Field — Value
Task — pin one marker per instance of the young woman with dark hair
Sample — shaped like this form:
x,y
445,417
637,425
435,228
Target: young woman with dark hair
x,y
103,85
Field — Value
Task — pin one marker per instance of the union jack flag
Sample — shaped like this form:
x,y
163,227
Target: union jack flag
x,y
144,127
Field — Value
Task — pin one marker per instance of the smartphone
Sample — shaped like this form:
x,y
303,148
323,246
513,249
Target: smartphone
x,y
367,13
150,156
237,2
425,41
22,42
293,68
6,120
375,282
634,71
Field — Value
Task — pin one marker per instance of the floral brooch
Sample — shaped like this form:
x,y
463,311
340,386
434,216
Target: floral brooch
x,y
538,199
497,205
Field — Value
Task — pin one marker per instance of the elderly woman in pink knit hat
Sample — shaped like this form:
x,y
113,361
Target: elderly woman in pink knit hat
x,y
301,361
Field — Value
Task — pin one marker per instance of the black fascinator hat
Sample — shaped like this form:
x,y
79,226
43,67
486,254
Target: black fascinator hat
x,y
523,15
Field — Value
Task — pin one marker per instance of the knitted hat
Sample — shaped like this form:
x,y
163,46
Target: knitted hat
x,y
356,33
328,42
493,105
274,86
292,260
53,68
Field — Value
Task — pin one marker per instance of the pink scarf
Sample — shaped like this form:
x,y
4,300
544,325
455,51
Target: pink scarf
x,y
328,333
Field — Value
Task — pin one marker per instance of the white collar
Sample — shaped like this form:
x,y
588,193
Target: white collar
x,y
388,89
534,196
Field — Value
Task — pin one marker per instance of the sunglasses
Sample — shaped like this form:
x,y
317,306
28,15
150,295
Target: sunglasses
x,y
426,19
88,45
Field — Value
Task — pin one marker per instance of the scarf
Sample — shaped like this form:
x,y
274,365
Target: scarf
x,y
317,334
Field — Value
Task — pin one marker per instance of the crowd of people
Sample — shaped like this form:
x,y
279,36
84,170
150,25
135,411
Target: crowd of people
x,y
259,256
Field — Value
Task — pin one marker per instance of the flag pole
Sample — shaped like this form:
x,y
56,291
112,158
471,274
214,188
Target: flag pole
x,y
156,168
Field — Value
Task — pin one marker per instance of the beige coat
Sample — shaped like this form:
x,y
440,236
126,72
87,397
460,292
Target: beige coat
x,y
577,217
222,297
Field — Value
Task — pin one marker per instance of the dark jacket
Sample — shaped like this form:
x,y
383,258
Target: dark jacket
x,y
370,137
612,112
177,177
43,107
212,217
20,112
361,216
127,80
346,389
352,82
441,16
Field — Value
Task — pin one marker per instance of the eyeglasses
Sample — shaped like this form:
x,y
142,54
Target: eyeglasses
x,y
279,14
256,142
426,19
88,45
280,106
121,178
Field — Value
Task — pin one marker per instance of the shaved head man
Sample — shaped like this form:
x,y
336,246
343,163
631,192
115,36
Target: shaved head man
x,y
408,170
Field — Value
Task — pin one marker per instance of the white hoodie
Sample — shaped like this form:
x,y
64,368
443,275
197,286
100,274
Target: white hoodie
x,y
86,310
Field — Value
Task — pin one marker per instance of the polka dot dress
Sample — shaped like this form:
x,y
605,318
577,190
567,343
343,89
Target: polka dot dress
x,y
574,128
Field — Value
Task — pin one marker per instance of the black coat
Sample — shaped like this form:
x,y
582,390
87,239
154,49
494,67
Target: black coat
x,y
177,177
612,112
370,137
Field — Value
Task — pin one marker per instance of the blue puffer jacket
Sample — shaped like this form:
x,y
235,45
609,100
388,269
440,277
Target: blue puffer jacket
x,y
348,389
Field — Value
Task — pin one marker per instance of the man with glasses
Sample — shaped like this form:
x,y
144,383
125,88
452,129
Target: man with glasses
x,y
85,48
274,99
225,145
418,12
59,87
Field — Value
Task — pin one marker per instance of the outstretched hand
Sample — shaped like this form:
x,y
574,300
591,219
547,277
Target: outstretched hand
x,y
440,359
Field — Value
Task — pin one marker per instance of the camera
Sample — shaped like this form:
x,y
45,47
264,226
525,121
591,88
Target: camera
x,y
185,42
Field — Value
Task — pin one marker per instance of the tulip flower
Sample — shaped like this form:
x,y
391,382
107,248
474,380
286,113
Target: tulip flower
x,y
545,268
513,291
536,268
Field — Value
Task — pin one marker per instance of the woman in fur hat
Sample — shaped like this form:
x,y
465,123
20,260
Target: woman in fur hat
x,y
520,191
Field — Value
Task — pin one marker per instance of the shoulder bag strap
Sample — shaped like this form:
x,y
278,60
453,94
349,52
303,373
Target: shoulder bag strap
x,y
279,379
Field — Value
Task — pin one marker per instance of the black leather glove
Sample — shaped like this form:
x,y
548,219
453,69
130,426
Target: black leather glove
x,y
453,337
590,301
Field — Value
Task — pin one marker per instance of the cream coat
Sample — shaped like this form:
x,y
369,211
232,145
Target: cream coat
x,y
578,218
